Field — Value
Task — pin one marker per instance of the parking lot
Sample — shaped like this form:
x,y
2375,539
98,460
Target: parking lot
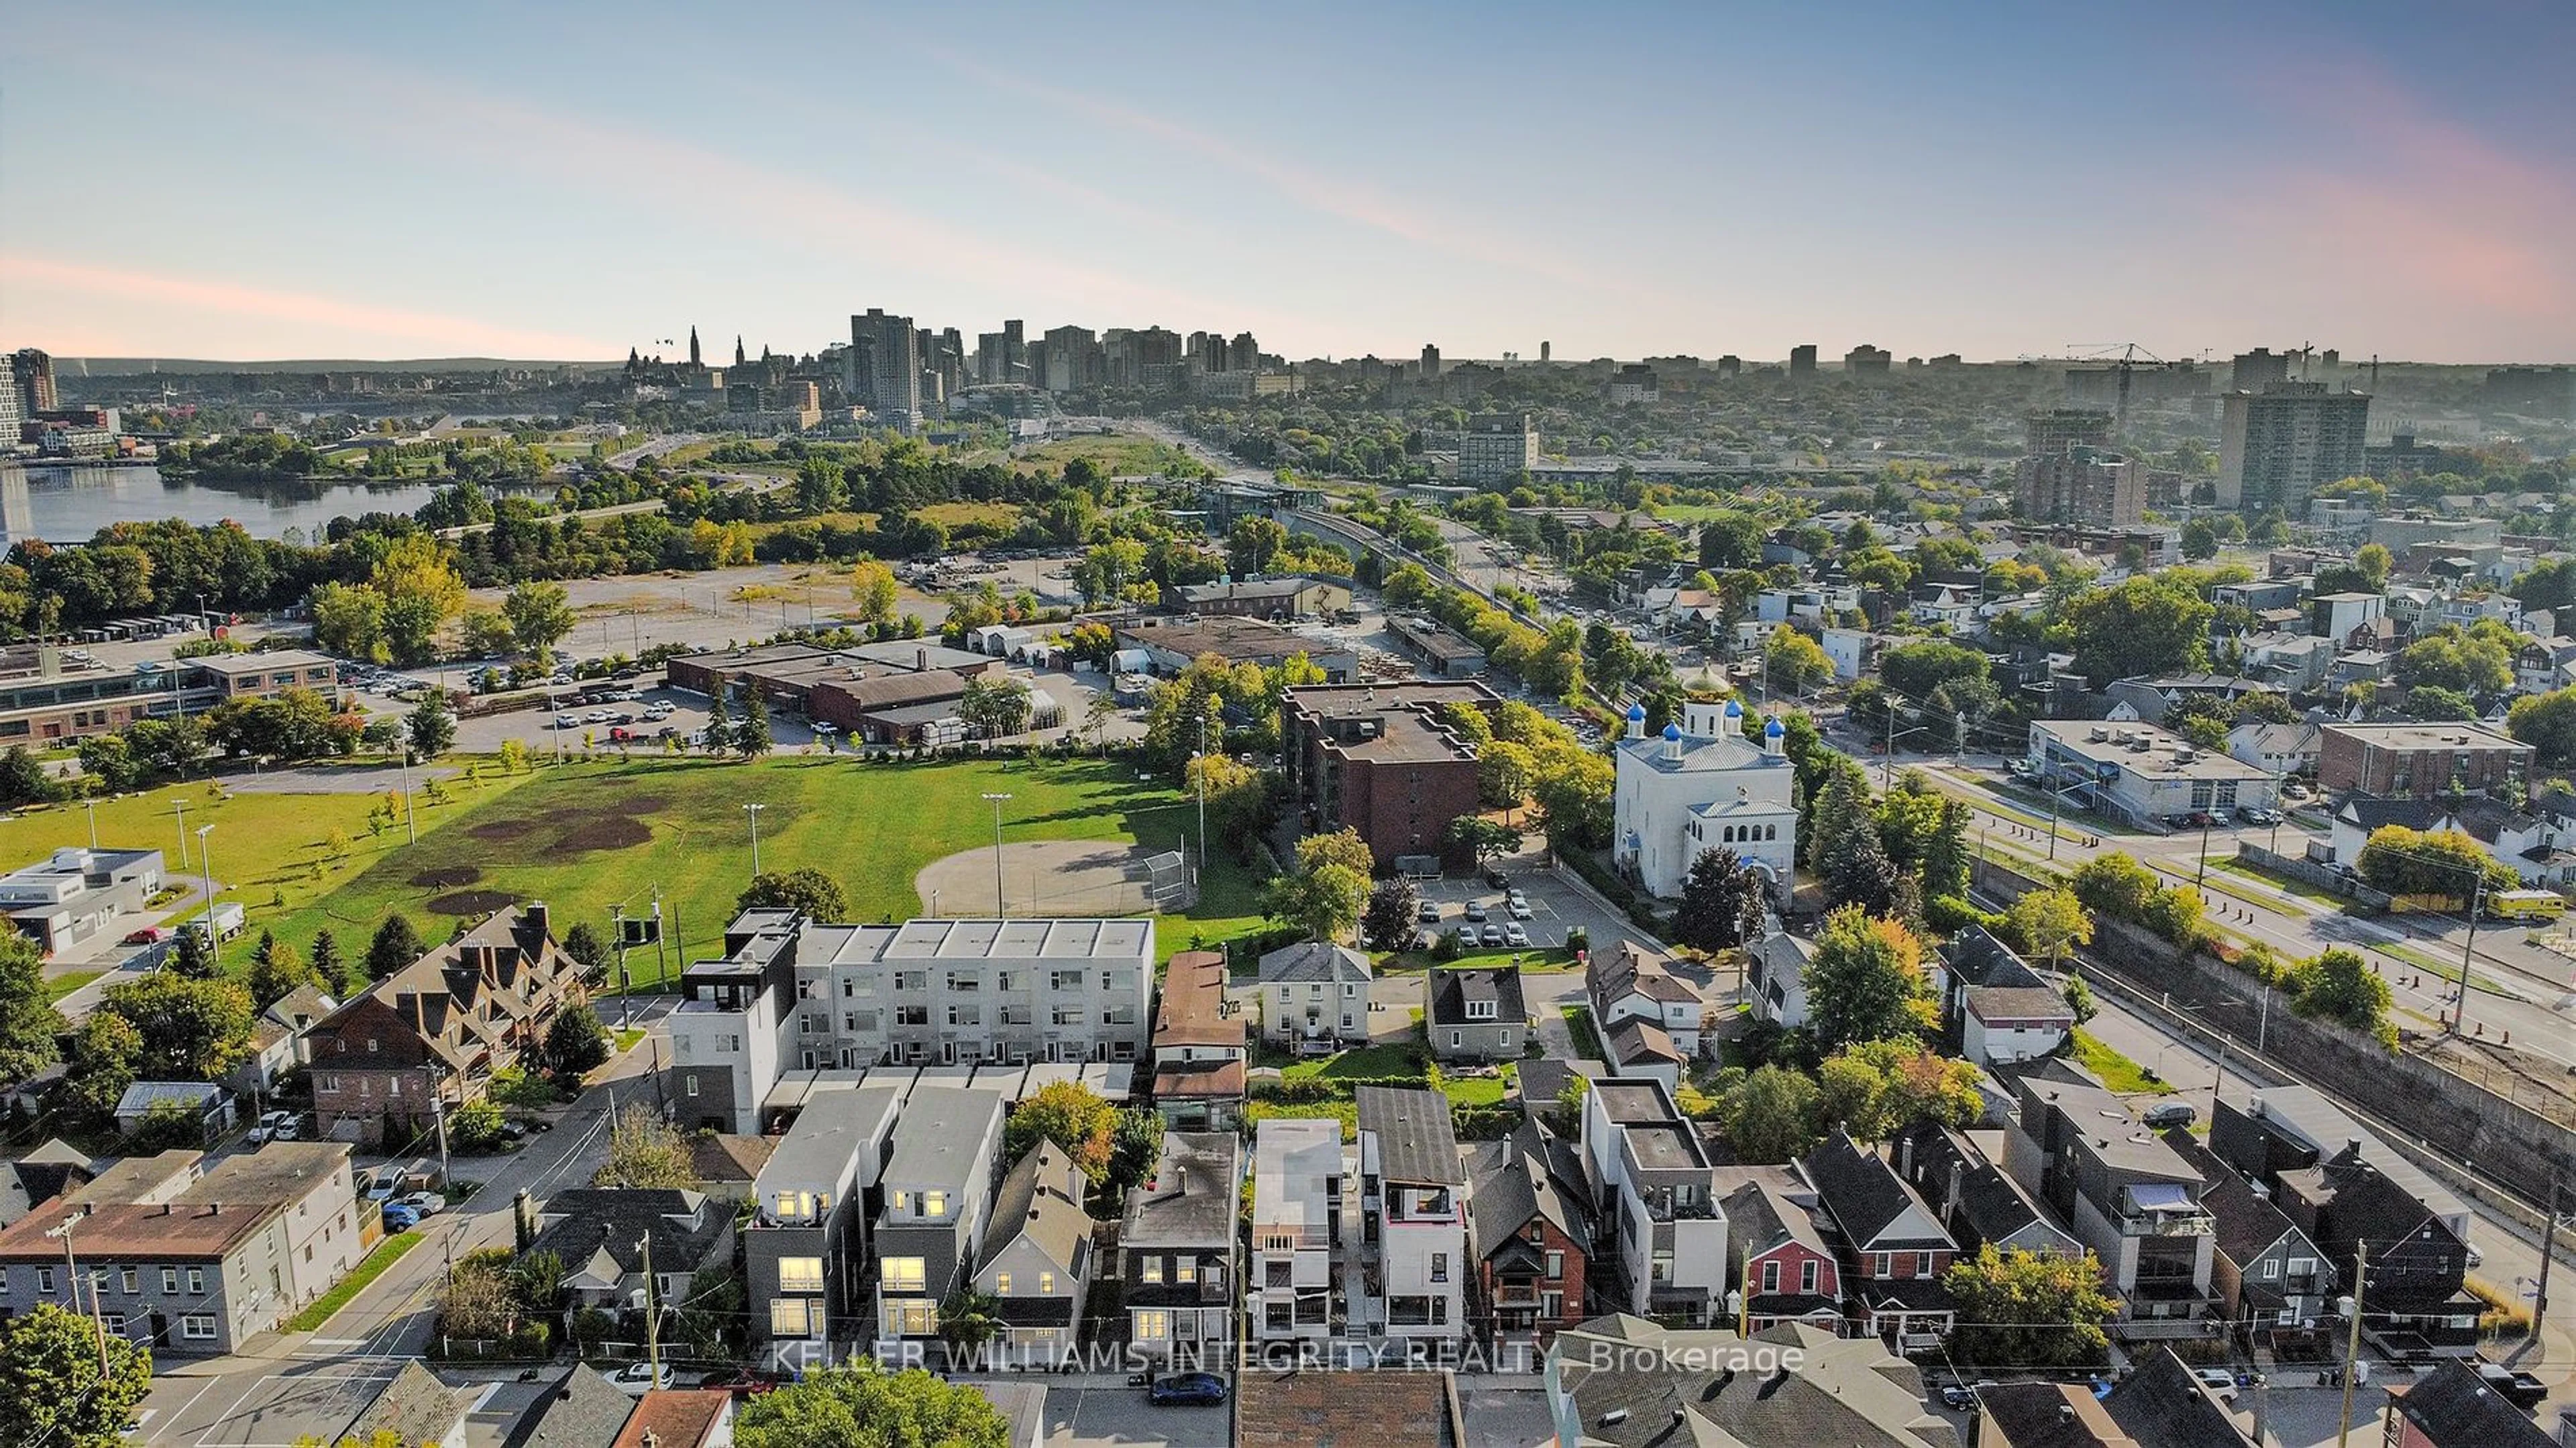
x,y
261,1410
1103,1417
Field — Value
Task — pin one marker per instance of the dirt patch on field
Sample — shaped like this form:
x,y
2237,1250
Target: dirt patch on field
x,y
446,877
471,902
589,831
503,829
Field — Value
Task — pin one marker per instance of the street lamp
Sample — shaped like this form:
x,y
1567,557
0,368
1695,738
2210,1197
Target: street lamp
x,y
754,811
206,859
997,801
181,806
411,816
92,806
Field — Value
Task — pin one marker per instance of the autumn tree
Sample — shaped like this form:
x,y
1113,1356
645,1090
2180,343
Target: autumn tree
x,y
1865,981
2030,1309
645,1151
1074,1117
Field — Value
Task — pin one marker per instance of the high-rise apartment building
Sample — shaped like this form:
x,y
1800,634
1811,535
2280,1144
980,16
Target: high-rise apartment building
x,y
1430,363
2260,369
1802,362
992,361
1243,354
2048,434
1495,446
31,373
1073,359
2277,447
2083,485
1868,361
885,366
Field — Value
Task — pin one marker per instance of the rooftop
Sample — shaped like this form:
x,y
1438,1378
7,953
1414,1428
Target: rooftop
x,y
1497,988
1415,1142
263,661
1634,1384
939,1140
1014,939
822,1149
2144,750
1192,1010
1345,1410
1193,1194
2428,736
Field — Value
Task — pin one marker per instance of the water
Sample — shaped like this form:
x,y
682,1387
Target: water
x,y
68,504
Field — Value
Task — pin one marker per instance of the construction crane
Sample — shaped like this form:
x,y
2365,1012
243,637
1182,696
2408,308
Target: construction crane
x,y
2126,356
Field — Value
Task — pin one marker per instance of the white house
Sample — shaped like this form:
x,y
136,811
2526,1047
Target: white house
x,y
1702,786
1297,1171
2276,748
1628,982
1314,996
1848,648
1776,977
1413,1186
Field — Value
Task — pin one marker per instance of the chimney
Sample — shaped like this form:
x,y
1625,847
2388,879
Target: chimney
x,y
2066,1412
535,915
2352,1147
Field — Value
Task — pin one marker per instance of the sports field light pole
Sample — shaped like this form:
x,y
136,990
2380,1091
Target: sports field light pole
x,y
1203,774
181,806
206,858
997,801
92,806
754,811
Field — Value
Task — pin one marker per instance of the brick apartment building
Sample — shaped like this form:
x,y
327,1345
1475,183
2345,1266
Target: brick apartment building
x,y
443,1024
2419,761
1380,759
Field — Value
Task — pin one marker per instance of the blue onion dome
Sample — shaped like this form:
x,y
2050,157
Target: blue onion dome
x,y
1734,710
1672,733
1771,729
1636,713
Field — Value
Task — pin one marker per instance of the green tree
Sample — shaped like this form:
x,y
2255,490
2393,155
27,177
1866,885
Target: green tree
x,y
751,733
396,944
2199,540
110,763
2547,722
29,1023
1723,899
808,891
1731,540
583,944
431,725
329,969
995,705
191,1030
23,780
1391,917
193,956
1769,1115
1479,839
2030,1309
2339,985
277,969
2047,921
1572,788
107,1057
2115,885
1795,663
1252,543
645,1151
861,1405
349,620
1074,1117
1323,903
52,1391
421,591
1865,981
1503,774
873,585
576,1044
2404,861
2152,624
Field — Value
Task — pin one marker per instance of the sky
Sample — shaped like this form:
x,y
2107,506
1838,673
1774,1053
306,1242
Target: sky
x,y
262,181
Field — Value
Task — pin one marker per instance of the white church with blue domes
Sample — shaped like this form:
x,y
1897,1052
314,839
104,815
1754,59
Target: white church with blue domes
x,y
1703,786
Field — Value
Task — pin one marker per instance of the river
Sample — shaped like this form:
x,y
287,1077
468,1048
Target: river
x,y
68,504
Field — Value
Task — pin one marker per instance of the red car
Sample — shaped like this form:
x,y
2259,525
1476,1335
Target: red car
x,y
148,935
743,1382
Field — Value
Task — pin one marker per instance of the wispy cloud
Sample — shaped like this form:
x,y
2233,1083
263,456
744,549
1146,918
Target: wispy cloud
x,y
41,283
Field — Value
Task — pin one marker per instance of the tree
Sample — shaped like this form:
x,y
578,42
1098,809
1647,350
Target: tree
x,y
2404,861
1879,1088
576,1044
1503,774
2030,1309
1479,839
477,1302
193,955
1795,663
107,1056
51,1388
2473,661
1392,914
1572,788
1342,847
191,1030
2339,985
872,584
2079,997
807,891
1865,981
2547,722
645,1151
1323,903
349,619
540,615
583,944
277,969
29,1023
2151,624
329,969
1861,874
1731,540
1071,1115
2047,921
421,590
751,733
2115,885
109,761
2199,540
995,705
395,945
1723,899
23,780
430,726
1769,1115
860,1405
1252,543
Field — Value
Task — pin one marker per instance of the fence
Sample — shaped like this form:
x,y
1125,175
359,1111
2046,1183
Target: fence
x,y
2307,872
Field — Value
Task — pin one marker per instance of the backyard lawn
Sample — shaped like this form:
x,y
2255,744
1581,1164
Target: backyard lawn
x,y
594,835
2118,1072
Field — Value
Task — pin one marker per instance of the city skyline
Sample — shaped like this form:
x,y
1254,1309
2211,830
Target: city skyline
x,y
295,182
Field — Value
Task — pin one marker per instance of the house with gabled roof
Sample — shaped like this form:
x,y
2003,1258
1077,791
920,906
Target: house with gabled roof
x,y
1475,1013
1035,1261
1314,996
1177,1251
2268,1272
1530,1231
1200,1058
1784,1264
1977,1200
1626,981
1891,1246
600,1234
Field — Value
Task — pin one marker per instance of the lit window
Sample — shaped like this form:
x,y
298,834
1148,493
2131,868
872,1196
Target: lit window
x,y
800,1274
903,1274
1153,1326
793,1317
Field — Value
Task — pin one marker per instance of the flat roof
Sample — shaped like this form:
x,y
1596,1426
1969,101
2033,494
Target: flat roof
x,y
260,661
1070,939
831,1130
940,1135
2418,735
1415,1142
1291,1159
2165,755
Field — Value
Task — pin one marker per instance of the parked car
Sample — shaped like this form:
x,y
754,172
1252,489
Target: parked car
x,y
567,721
658,709
2216,1379
148,935
1476,911
424,1204
1188,1390
274,1126
1497,879
595,716
1513,896
1515,934
2523,1390
1429,914
825,728
1518,910
637,1379
1492,934
2165,1115
383,1185
399,1219
2253,816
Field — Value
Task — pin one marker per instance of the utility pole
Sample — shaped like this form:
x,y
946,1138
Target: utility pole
x,y
2468,950
71,1284
625,1000
652,1320
411,816
1203,774
754,811
438,1117
2540,1296
997,800
2352,1340
181,806
92,806
2200,882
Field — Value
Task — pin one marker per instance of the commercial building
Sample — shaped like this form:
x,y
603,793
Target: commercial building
x,y
2083,485
196,1261
794,994
1173,644
1868,361
1496,447
1448,653
272,671
31,377
440,1028
2142,773
1702,786
1413,1197
1177,1251
1382,760
2278,446
2419,760
75,895
1291,597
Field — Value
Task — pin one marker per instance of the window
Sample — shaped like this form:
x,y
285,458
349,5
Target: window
x,y
129,1280
1555,1266
1150,1270
1922,1264
1153,1326
1001,1284
1807,1276
198,1326
1662,1268
794,1317
197,1280
1770,1277
1046,1284
916,1319
958,982
44,1279
1185,1269
805,990
1439,1266
1880,1265
1064,980
903,1274
690,1083
800,1274
169,1279
934,1204
374,1045
2271,1268
112,1323
1457,1039
912,1015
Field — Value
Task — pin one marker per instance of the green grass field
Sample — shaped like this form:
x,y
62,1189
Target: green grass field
x,y
2118,1072
320,1309
952,516
1117,454
596,835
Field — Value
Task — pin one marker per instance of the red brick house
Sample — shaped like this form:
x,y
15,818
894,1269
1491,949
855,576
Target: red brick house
x,y
1890,1245
441,1027
1531,1237
1784,1264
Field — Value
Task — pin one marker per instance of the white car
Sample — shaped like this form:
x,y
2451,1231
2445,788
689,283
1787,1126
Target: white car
x,y
382,1186
595,716
567,721
427,1204
274,1126
1518,910
658,709
825,728
637,1379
